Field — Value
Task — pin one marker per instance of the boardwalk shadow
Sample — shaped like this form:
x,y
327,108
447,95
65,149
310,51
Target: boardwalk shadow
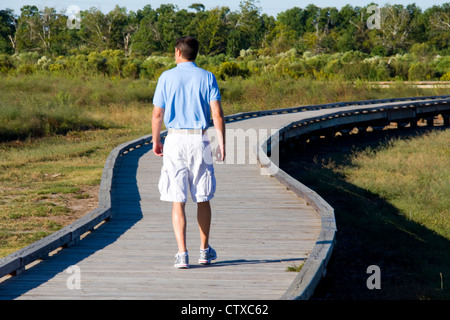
x,y
238,262
413,259
121,221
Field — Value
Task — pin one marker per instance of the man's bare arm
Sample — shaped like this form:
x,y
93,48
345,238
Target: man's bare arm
x,y
157,120
219,125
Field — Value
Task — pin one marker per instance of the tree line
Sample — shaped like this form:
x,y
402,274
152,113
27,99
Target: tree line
x,y
222,31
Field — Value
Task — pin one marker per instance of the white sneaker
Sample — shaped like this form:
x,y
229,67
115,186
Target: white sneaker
x,y
181,261
207,255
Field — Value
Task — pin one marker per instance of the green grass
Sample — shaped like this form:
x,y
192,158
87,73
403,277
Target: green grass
x,y
411,174
40,177
41,106
56,132
294,268
390,192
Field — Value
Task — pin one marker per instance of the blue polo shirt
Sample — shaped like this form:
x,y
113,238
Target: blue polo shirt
x,y
185,92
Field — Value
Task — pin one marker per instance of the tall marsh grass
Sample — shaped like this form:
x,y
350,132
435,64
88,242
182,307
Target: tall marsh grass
x,y
39,106
390,192
411,174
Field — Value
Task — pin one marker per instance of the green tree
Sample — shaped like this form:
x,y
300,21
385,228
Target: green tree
x,y
438,27
116,23
250,24
197,7
395,28
294,19
94,29
418,31
27,29
147,38
41,31
130,28
212,31
280,39
7,31
168,26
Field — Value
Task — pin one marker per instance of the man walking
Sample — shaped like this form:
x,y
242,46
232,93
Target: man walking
x,y
185,98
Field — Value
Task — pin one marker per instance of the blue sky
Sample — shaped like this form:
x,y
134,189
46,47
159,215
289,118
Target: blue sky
x,y
270,7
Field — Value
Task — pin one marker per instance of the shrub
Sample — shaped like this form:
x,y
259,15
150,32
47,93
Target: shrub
x,y
97,62
356,70
114,61
43,63
28,57
422,52
419,71
315,63
352,56
231,69
58,65
130,70
334,66
26,68
379,51
442,66
78,64
6,63
150,69
377,69
398,68
445,77
297,69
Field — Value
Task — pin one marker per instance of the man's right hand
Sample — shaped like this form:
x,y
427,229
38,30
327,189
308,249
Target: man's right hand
x,y
220,153
219,124
158,148
157,120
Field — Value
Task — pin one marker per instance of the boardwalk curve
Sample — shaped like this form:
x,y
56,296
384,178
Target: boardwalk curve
x,y
130,255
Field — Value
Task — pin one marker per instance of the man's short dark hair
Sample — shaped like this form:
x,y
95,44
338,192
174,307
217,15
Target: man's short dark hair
x,y
188,47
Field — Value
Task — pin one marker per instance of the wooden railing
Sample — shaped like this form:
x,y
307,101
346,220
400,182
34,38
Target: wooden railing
x,y
314,268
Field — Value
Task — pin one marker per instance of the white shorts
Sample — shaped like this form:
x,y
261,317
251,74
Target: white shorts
x,y
187,163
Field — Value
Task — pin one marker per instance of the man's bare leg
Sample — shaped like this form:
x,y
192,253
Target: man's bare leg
x,y
179,225
204,223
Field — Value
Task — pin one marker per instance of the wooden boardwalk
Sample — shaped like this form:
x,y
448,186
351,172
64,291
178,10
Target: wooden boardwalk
x,y
259,228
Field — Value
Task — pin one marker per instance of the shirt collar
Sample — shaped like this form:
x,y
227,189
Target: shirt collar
x,y
187,64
